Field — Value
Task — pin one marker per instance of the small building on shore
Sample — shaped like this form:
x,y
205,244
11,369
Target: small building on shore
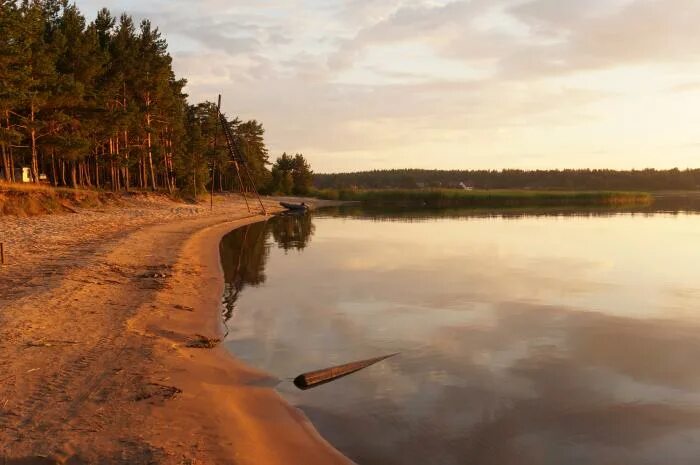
x,y
23,174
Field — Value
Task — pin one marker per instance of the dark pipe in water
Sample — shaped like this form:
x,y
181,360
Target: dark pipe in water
x,y
316,378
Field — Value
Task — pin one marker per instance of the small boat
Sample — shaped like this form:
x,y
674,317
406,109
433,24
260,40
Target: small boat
x,y
295,206
316,378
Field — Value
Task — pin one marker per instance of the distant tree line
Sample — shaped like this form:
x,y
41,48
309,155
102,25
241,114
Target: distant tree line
x,y
583,179
97,104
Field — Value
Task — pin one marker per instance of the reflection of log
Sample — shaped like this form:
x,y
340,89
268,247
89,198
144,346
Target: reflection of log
x,y
316,378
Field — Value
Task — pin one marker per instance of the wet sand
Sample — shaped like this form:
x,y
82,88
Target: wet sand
x,y
97,310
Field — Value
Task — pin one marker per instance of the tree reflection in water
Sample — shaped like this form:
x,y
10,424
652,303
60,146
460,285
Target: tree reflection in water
x,y
292,231
244,253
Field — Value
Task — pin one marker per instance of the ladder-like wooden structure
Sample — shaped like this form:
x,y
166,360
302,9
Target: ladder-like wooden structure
x,y
245,180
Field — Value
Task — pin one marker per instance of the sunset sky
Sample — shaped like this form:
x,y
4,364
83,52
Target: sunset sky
x,y
370,84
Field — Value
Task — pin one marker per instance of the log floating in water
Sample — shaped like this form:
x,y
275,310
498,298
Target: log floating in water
x,y
318,377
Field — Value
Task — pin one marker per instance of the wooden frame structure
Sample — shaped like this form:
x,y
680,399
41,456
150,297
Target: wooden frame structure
x,y
245,180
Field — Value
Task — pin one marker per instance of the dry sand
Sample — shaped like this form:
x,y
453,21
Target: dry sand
x,y
97,310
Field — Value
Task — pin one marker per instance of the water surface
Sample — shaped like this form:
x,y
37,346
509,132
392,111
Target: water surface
x,y
557,337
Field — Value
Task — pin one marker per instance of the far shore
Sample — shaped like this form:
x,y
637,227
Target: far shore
x,y
98,310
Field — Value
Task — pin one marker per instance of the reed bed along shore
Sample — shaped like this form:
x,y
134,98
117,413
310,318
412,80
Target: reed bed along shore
x,y
486,198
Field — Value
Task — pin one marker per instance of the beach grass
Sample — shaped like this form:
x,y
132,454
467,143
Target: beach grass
x,y
485,198
28,199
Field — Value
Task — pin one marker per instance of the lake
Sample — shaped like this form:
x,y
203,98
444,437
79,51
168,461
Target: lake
x,y
528,338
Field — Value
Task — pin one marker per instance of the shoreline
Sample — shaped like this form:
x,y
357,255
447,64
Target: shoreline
x,y
272,430
94,358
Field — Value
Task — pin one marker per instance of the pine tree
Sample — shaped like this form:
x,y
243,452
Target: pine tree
x,y
282,180
302,175
152,85
13,76
251,141
99,105
192,169
73,102
116,90
38,20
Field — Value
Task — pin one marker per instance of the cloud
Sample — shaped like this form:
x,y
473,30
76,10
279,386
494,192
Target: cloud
x,y
686,87
639,32
558,36
410,23
374,83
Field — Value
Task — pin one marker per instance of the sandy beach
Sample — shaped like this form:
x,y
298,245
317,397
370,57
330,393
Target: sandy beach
x,y
102,313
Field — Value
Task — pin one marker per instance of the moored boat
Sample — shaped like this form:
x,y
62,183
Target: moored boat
x,y
294,206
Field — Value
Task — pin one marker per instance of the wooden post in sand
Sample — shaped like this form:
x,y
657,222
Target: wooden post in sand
x,y
2,253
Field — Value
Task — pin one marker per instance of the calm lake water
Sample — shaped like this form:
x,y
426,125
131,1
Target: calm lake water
x,y
545,338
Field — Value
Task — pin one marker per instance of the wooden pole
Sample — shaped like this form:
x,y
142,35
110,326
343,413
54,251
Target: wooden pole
x,y
255,189
216,136
2,253
240,181
239,163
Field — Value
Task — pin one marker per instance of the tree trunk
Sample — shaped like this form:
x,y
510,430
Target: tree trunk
x,y
73,175
97,168
169,170
170,158
9,175
6,163
166,165
141,172
6,157
86,173
118,154
53,168
127,180
12,165
111,165
148,144
35,158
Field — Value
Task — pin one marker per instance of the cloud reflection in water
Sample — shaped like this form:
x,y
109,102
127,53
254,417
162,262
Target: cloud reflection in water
x,y
531,341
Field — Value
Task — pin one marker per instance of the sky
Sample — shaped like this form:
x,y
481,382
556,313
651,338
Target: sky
x,y
447,84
